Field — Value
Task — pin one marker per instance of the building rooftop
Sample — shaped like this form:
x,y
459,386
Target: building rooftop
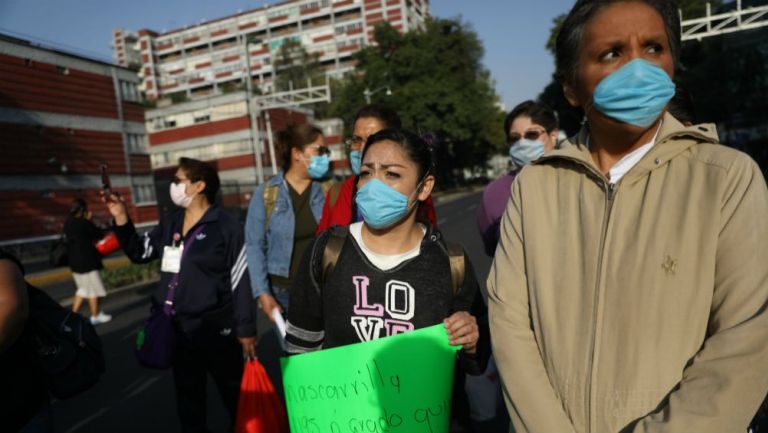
x,y
49,46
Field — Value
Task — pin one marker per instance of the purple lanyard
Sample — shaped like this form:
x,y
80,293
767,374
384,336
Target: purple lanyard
x,y
168,306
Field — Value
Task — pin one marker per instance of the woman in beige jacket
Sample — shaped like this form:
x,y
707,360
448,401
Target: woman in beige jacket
x,y
628,291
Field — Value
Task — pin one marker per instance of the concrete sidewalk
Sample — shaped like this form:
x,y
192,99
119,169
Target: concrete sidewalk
x,y
58,275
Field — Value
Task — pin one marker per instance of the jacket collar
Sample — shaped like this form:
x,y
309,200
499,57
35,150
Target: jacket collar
x,y
210,215
673,139
277,179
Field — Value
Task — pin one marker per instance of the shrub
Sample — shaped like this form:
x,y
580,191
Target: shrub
x,y
131,274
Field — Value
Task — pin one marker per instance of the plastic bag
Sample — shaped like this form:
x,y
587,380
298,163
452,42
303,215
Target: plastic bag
x,y
260,409
108,244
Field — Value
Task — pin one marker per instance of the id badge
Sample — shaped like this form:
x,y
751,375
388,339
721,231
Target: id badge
x,y
172,259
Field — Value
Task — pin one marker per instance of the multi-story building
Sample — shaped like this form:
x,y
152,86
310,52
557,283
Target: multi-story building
x,y
203,59
62,116
218,129
124,54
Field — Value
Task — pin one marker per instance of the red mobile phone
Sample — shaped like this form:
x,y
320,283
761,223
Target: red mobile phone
x,y
106,184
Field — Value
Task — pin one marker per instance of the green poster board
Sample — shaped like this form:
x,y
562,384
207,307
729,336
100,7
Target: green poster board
x,y
395,384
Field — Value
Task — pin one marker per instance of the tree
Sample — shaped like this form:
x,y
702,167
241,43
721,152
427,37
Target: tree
x,y
294,65
438,84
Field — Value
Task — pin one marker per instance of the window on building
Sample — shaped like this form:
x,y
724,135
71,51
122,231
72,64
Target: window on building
x,y
204,153
202,117
128,91
169,123
144,194
155,124
136,143
159,159
315,4
63,70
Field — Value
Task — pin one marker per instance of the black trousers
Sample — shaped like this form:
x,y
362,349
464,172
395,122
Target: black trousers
x,y
219,356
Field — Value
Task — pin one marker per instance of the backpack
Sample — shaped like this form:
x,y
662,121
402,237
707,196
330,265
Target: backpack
x,y
58,255
339,235
66,344
270,193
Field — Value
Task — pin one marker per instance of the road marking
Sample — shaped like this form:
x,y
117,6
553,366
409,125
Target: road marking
x,y
142,387
85,421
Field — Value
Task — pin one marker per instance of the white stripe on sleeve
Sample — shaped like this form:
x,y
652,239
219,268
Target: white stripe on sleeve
x,y
241,264
147,247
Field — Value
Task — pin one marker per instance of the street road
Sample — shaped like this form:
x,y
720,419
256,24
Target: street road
x,y
132,399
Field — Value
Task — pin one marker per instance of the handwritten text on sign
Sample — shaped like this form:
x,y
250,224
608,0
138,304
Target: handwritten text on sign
x,y
395,384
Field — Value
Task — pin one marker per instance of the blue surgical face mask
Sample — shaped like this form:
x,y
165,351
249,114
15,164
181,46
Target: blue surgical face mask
x,y
381,205
636,93
318,166
355,160
524,151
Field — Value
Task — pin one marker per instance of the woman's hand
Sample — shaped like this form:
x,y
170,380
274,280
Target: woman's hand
x,y
116,207
462,330
249,347
269,303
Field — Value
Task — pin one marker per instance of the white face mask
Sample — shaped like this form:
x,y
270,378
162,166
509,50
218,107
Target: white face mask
x,y
179,195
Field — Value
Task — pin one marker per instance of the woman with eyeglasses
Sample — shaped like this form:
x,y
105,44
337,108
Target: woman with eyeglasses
x,y
531,130
204,283
340,208
283,215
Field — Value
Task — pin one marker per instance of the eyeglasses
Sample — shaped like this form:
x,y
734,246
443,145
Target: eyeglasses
x,y
321,150
177,180
532,134
353,141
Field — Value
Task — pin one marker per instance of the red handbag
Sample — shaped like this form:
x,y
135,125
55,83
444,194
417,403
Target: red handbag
x,y
108,244
260,409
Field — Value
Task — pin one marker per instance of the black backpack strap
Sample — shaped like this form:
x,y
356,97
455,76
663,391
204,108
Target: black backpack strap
x,y
458,265
336,239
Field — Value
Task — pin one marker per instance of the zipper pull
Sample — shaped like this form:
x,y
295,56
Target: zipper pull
x,y
611,190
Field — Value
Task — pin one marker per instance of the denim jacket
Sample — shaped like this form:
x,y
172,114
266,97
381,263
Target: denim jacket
x,y
269,249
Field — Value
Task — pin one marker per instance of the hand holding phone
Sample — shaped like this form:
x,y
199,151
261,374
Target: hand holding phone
x,y
106,183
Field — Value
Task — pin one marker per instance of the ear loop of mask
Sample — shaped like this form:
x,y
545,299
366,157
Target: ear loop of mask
x,y
419,185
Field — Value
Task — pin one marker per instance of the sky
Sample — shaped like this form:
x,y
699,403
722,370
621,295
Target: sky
x,y
513,32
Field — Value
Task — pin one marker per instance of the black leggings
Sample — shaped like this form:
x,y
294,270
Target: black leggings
x,y
222,357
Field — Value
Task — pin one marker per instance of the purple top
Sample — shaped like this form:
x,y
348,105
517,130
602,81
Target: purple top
x,y
495,198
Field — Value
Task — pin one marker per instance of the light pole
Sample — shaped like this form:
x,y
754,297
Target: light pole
x,y
253,110
368,93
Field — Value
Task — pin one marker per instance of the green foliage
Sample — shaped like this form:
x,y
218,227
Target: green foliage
x,y
438,84
178,97
234,87
131,274
727,78
148,103
294,66
697,8
557,24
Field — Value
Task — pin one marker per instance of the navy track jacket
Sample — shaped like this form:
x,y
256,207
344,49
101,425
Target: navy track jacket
x,y
214,291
